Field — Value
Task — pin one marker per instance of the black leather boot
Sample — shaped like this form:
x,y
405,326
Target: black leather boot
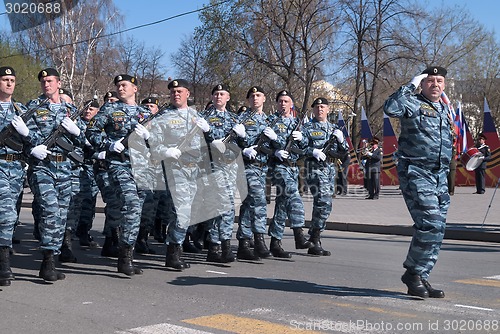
x,y
111,244
48,268
433,293
84,237
6,274
67,249
125,261
173,258
260,247
188,247
415,285
141,245
227,254
244,252
277,250
213,254
317,249
300,241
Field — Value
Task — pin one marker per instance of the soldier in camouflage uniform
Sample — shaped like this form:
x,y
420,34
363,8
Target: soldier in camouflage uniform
x,y
182,168
285,177
424,154
325,143
11,165
111,125
222,123
49,172
253,211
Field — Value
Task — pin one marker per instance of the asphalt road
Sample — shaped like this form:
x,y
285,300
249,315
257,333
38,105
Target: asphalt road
x,y
356,290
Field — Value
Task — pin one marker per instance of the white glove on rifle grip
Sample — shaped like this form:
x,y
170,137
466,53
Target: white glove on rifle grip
x,y
173,152
319,155
239,129
117,146
417,79
141,131
20,126
270,133
70,126
219,145
339,134
297,135
281,154
202,124
250,152
40,152
101,155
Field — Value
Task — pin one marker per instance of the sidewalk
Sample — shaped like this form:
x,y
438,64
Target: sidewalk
x,y
389,215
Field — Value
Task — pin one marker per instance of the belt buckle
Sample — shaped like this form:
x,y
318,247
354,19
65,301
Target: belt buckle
x,y
59,158
9,157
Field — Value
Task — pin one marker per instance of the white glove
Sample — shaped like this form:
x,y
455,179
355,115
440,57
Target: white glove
x,y
339,134
297,135
369,154
141,131
416,80
101,155
172,152
87,143
20,126
219,145
70,126
319,155
239,129
117,146
282,154
270,133
250,152
202,124
40,152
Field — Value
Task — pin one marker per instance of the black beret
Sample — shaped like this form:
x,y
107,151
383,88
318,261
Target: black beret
x,y
375,140
150,99
283,93
481,136
110,94
220,87
126,77
435,70
47,73
255,89
93,104
65,92
7,70
319,100
178,83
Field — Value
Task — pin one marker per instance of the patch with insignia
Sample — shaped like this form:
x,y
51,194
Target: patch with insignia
x,y
41,112
250,122
118,113
175,121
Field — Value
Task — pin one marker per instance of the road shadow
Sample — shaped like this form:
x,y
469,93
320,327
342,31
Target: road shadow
x,y
286,285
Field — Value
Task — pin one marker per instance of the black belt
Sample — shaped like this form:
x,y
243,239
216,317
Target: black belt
x,y
287,163
56,157
11,157
256,163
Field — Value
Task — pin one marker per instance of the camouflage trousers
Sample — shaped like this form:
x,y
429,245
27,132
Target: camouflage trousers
x,y
320,181
131,201
50,183
253,210
11,182
288,201
182,183
112,210
88,193
426,196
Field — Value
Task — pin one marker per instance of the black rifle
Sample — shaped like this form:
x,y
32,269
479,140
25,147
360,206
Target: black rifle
x,y
330,144
55,138
264,139
290,142
7,136
232,135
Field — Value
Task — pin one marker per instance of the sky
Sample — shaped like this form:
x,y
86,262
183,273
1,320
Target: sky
x,y
167,35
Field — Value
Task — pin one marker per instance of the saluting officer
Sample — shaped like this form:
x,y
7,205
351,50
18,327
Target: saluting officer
x,y
111,125
424,154
12,171
49,173
325,143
